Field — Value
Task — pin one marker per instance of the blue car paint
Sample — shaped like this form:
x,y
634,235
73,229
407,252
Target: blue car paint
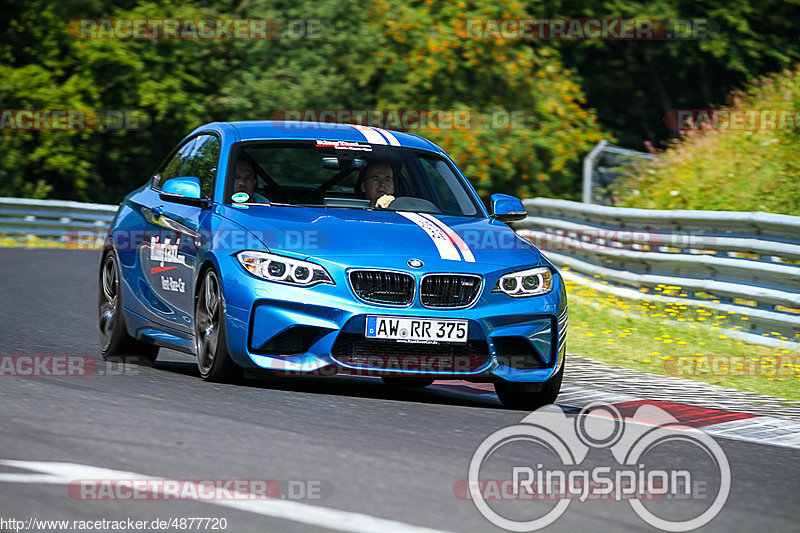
x,y
257,310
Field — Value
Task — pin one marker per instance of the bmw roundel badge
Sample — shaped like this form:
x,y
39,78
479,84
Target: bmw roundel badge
x,y
415,263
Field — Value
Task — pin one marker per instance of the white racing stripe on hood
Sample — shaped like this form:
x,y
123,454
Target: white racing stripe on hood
x,y
457,240
372,136
447,249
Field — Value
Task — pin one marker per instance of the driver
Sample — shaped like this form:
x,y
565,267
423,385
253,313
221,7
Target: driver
x,y
245,181
377,183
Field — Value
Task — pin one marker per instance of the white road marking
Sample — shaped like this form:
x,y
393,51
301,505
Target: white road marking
x,y
447,250
14,477
303,513
574,396
760,430
457,240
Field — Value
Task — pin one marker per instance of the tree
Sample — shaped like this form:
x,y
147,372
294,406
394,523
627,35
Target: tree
x,y
634,83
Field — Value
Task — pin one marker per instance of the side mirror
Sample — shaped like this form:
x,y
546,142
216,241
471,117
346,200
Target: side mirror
x,y
507,208
184,190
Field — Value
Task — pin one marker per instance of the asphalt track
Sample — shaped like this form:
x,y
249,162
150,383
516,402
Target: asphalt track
x,y
381,459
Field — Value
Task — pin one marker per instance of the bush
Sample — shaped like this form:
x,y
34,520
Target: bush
x,y
728,169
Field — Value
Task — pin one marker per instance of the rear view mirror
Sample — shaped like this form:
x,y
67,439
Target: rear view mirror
x,y
337,163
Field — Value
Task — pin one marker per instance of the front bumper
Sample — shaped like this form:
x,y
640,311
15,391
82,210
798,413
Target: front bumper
x,y
320,330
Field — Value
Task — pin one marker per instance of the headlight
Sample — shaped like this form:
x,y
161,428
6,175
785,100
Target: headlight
x,y
283,270
531,282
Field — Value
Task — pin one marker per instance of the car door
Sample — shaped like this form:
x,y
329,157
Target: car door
x,y
174,247
139,228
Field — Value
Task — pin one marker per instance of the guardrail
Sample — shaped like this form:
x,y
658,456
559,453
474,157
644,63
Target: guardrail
x,y
54,220
602,166
744,263
741,262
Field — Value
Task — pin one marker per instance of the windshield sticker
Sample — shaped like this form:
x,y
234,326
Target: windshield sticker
x,y
240,197
344,145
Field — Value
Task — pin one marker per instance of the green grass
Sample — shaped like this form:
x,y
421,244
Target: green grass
x,y
674,340
725,168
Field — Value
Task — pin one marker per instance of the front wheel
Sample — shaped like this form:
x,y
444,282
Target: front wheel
x,y
115,343
213,359
529,396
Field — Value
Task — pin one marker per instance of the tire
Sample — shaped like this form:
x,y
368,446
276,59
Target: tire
x,y
115,343
529,396
411,382
211,347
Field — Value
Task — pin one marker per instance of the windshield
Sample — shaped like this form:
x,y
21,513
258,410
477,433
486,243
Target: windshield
x,y
343,174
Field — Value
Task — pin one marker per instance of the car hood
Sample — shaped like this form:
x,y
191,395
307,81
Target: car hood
x,y
385,238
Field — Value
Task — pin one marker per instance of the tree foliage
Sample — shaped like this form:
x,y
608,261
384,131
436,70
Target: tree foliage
x,y
390,55
633,84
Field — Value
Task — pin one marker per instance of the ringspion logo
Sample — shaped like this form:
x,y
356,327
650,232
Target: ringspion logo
x,y
674,477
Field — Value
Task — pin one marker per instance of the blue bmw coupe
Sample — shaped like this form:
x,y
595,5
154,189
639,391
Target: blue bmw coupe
x,y
300,248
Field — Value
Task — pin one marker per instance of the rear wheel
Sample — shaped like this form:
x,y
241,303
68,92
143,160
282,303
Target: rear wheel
x,y
211,347
115,343
529,395
411,382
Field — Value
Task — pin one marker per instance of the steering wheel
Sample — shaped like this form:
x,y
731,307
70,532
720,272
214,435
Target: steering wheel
x,y
410,203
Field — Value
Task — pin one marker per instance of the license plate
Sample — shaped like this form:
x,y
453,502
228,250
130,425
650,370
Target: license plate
x,y
416,329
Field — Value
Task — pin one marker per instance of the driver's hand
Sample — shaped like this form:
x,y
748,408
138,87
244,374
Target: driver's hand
x,y
384,201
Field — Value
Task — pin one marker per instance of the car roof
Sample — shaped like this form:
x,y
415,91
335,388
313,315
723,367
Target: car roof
x,y
254,130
